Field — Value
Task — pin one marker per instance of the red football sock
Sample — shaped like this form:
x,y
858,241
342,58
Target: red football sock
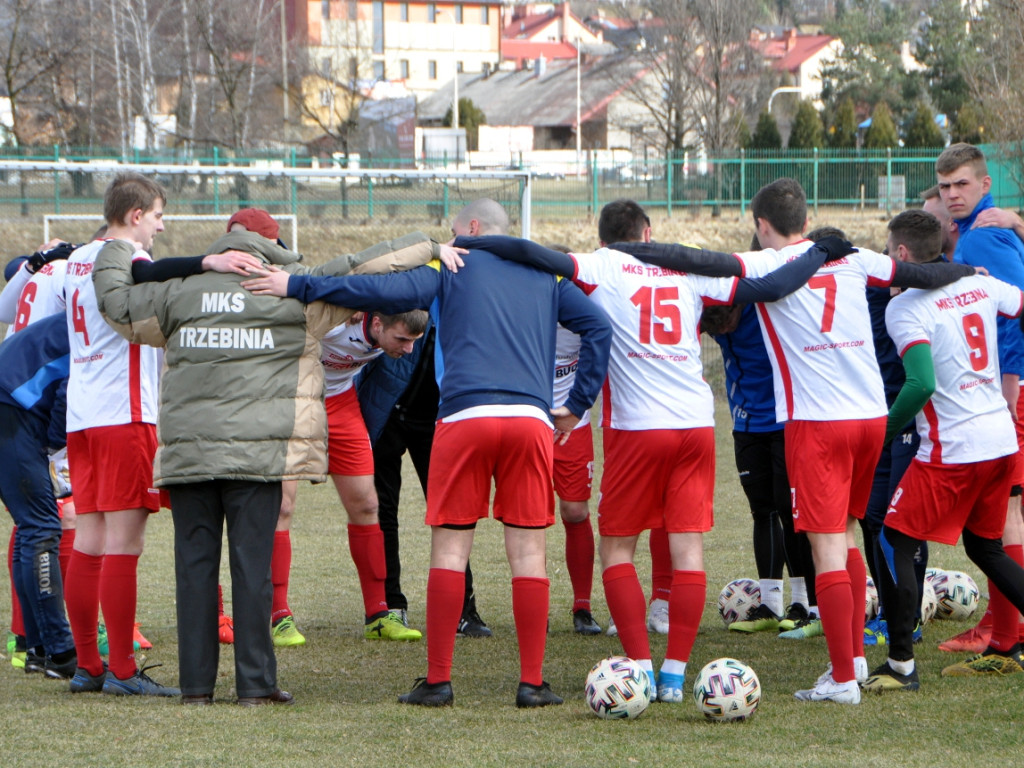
x,y
82,598
579,561
280,570
858,587
661,565
67,545
626,604
835,606
17,622
118,594
366,543
1005,617
685,608
530,603
446,590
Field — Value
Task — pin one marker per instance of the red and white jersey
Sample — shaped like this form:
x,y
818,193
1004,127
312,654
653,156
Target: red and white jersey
x,y
345,349
819,338
567,360
40,296
966,419
655,375
111,382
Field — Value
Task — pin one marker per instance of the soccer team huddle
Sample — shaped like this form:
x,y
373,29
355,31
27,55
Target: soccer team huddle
x,y
867,390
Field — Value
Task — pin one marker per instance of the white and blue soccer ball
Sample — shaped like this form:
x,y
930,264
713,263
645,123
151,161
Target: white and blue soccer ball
x,y
956,594
929,602
618,688
737,599
727,689
870,600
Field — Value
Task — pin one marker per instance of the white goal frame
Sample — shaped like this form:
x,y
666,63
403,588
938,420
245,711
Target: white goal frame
x,y
281,218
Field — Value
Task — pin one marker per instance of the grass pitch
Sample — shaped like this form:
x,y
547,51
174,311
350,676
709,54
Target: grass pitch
x,y
346,687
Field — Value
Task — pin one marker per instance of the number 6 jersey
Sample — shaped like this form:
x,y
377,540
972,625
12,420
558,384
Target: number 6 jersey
x,y
966,419
112,382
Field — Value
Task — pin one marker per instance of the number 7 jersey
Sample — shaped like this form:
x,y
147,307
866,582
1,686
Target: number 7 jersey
x,y
655,375
111,382
966,419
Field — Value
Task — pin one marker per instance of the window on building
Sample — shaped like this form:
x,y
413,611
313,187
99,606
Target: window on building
x,y
485,14
325,9
353,10
353,69
325,66
458,14
403,68
403,11
458,66
432,12
432,69
378,26
326,97
378,70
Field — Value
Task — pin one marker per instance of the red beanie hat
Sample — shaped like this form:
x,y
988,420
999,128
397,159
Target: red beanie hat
x,y
256,220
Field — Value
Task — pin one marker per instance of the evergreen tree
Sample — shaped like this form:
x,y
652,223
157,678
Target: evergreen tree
x,y
843,132
882,134
969,124
922,131
766,134
808,131
471,117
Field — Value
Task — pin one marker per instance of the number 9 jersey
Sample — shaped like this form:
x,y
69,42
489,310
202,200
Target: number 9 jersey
x,y
966,419
112,382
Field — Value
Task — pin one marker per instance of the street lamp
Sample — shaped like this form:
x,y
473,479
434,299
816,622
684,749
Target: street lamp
x,y
455,65
579,127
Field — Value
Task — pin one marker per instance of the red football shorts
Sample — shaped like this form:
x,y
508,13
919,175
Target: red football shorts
x,y
514,451
348,443
112,468
831,465
935,502
1018,471
657,477
574,465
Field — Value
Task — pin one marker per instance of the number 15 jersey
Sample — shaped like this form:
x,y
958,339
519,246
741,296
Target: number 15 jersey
x,y
655,376
112,382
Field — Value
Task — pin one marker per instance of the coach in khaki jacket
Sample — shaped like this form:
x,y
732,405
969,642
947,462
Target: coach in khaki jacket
x,y
241,409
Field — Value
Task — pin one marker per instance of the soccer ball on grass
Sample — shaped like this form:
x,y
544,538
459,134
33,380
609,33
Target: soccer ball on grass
x,y
737,599
726,690
618,687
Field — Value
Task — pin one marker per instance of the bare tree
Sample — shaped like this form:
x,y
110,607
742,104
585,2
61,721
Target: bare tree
x,y
27,62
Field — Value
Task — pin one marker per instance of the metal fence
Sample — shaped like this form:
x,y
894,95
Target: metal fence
x,y
886,180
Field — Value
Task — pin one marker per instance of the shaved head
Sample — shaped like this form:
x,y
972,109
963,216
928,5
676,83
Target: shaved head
x,y
489,216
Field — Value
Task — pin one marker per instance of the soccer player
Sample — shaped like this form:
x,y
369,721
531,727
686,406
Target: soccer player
x,y
495,346
345,350
964,186
658,419
961,477
816,337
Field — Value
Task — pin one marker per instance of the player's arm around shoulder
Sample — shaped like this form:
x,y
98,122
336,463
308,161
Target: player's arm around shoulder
x,y
129,309
405,252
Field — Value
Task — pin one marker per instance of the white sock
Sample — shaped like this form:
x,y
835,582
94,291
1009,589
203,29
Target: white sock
x,y
901,667
673,667
798,587
646,664
771,595
812,611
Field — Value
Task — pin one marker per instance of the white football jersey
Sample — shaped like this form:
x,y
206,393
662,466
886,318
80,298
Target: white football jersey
x,y
819,337
567,360
966,420
345,349
41,296
112,382
655,375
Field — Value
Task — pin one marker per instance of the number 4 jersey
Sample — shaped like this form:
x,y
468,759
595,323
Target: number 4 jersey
x,y
966,419
655,376
112,382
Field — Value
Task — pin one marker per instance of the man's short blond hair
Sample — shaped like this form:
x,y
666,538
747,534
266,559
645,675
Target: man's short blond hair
x,y
958,155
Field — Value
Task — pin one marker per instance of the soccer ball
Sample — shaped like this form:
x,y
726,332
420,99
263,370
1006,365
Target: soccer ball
x,y
931,574
618,687
870,601
737,599
957,595
929,602
727,689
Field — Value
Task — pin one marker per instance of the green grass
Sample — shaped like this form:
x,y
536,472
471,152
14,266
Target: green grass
x,y
346,687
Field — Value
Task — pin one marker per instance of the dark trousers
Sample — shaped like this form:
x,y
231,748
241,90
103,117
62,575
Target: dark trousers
x,y
199,511
26,490
416,436
761,462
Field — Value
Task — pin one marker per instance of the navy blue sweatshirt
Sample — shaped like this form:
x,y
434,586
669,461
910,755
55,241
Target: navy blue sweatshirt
x,y
495,327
